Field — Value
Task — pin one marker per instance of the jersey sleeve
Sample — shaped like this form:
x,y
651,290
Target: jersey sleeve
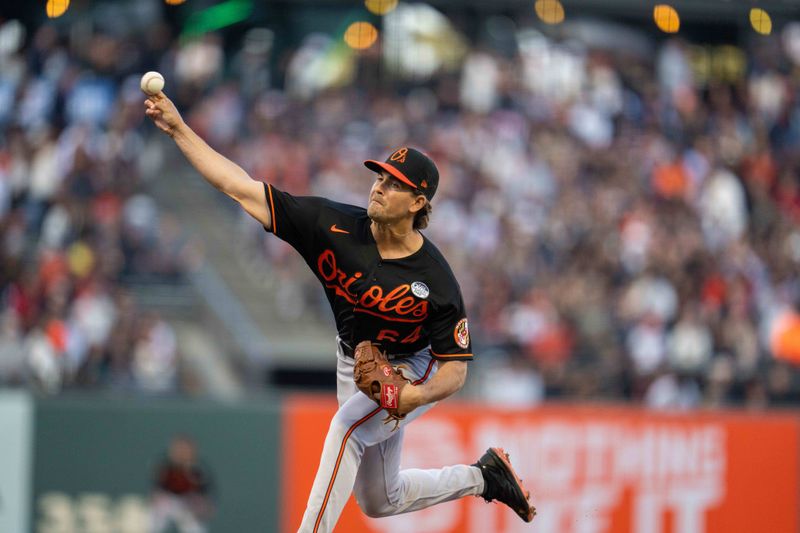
x,y
294,218
450,333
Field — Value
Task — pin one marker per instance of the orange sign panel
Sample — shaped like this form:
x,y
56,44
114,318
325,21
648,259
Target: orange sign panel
x,y
590,470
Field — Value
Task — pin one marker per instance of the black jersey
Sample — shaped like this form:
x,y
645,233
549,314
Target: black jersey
x,y
404,304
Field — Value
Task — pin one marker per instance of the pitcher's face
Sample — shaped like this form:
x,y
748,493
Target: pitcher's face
x,y
391,200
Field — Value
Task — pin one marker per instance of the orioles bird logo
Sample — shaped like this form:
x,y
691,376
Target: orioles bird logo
x,y
399,155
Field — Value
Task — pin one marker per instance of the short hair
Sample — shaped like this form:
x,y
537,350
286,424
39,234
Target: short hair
x,y
421,217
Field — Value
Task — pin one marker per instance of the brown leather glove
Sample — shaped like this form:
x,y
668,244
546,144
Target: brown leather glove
x,y
378,379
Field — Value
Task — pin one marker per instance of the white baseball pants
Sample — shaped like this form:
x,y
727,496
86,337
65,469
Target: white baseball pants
x,y
362,455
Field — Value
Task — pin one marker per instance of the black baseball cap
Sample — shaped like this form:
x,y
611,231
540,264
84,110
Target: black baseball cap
x,y
412,167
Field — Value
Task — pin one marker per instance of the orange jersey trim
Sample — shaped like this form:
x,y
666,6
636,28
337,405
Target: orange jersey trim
x,y
272,209
450,355
338,463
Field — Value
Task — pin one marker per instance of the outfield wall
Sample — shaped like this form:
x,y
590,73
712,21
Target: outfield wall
x,y
16,433
590,469
94,462
86,465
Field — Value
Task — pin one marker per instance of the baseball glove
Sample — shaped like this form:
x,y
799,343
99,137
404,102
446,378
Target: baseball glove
x,y
378,379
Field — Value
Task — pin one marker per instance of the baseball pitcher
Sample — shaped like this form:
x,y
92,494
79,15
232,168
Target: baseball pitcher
x,y
403,338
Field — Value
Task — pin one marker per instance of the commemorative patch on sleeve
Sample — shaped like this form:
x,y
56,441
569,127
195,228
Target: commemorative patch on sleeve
x,y
461,333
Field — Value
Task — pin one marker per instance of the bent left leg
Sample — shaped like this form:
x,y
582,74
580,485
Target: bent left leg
x,y
356,426
382,489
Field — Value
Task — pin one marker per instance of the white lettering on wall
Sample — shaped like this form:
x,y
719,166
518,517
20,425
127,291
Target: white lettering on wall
x,y
579,471
59,512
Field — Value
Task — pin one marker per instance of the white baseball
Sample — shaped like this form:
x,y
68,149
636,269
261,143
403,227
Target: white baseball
x,y
152,83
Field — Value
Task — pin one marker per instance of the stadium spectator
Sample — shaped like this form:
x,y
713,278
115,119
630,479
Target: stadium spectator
x,y
75,222
624,227
181,491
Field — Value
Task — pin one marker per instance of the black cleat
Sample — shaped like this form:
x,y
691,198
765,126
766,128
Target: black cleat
x,y
501,483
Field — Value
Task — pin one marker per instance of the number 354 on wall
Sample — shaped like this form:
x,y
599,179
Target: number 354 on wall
x,y
59,512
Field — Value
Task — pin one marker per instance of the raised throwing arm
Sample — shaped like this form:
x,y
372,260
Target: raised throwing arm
x,y
218,170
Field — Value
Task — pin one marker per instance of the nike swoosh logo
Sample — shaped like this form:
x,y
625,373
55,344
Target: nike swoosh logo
x,y
338,230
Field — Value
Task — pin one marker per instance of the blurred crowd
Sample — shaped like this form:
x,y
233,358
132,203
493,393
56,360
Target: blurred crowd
x,y
623,224
623,221
75,222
